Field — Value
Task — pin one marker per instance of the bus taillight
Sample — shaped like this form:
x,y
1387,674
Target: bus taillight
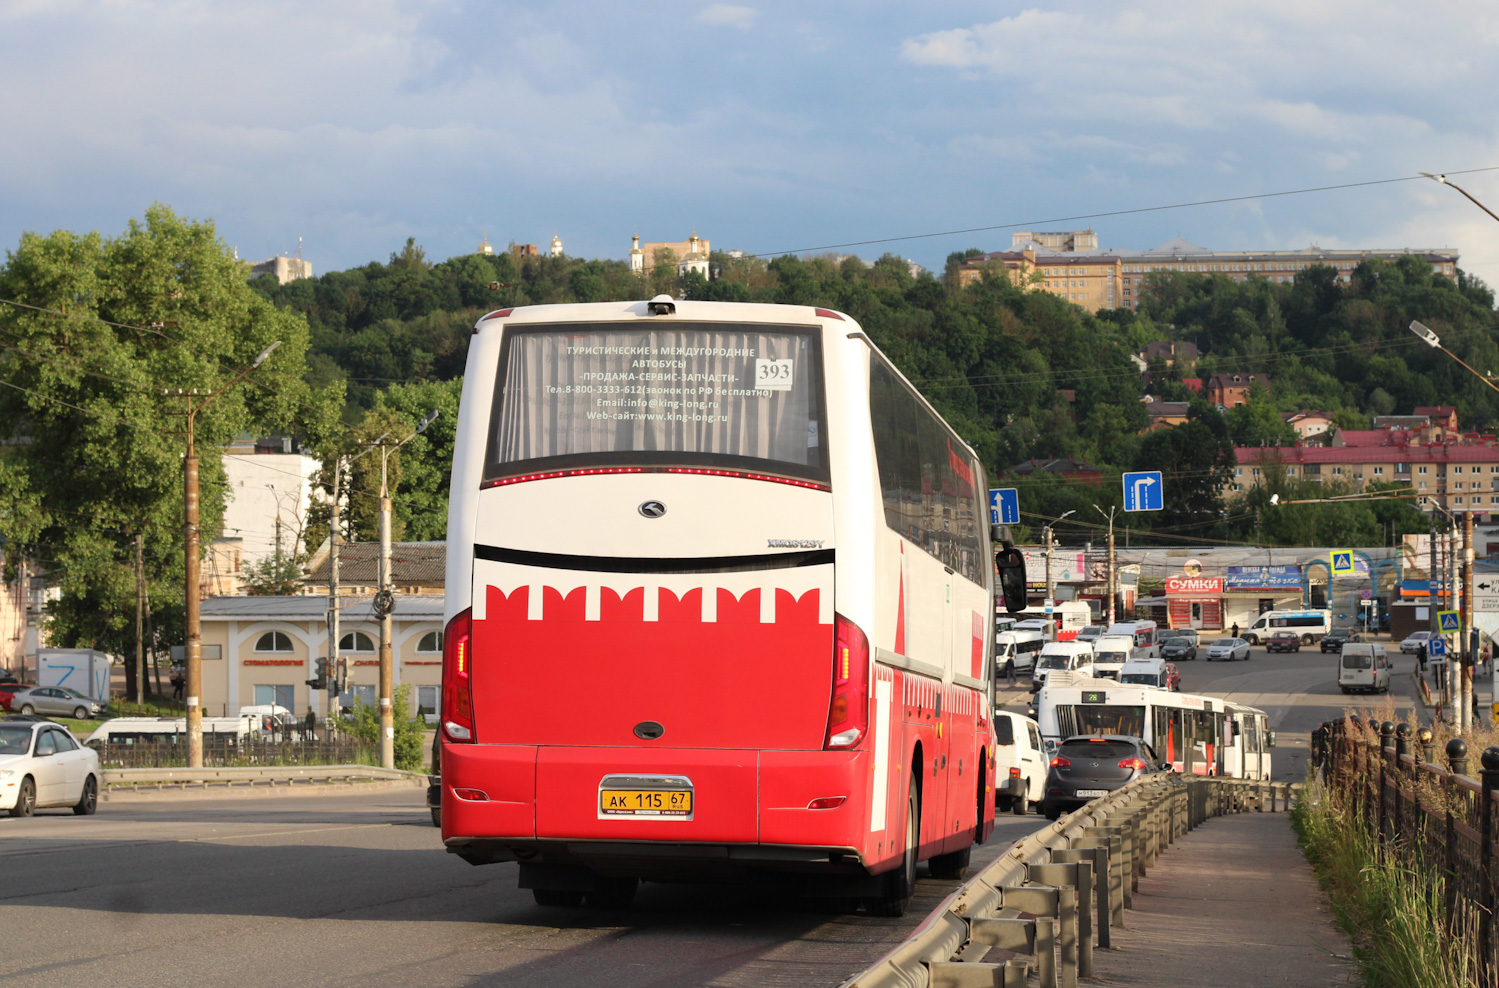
x,y
848,714
457,691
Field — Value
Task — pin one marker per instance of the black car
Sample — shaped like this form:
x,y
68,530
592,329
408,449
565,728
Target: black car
x,y
1335,639
1091,765
1180,648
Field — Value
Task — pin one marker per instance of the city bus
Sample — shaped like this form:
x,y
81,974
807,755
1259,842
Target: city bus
x,y
720,592
1198,735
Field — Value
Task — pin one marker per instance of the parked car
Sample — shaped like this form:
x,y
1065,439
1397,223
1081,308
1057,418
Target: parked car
x,y
59,700
1019,763
1415,641
1283,641
1335,639
1091,632
41,766
1228,648
6,676
1181,646
7,690
1088,766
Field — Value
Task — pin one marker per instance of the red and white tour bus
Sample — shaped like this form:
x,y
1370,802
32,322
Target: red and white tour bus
x,y
719,598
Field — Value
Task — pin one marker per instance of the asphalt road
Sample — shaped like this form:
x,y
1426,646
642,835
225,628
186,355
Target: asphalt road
x,y
355,889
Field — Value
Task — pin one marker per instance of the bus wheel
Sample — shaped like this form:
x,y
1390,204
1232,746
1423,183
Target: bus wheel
x,y
557,897
898,885
1306,639
953,864
613,893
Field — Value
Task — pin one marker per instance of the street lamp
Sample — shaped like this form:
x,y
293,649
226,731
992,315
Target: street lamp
x,y
193,646
335,673
385,599
1433,340
1110,516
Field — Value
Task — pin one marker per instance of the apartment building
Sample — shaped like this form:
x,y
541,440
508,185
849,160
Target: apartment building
x,y
1075,268
1228,390
1457,473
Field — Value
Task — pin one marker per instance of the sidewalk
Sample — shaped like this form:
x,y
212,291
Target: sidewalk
x,y
1234,902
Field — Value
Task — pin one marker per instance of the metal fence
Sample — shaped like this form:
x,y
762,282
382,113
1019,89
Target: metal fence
x,y
226,751
1439,822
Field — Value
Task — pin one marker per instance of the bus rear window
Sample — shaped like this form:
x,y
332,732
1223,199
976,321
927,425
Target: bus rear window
x,y
689,394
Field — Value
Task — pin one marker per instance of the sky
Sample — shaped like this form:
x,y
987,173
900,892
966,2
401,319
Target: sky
x,y
766,127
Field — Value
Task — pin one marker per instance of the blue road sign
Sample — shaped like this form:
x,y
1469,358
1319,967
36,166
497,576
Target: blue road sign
x,y
1449,622
1342,562
1142,491
1004,506
1436,645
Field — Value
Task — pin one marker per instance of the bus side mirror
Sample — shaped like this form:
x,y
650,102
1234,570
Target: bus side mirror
x,y
1010,565
1269,739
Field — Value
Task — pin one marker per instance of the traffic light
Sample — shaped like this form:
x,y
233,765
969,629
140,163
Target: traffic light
x,y
321,682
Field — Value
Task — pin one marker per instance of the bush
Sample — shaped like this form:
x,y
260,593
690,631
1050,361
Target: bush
x,y
409,730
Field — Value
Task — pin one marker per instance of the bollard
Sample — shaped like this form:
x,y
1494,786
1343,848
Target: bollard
x,y
1457,756
1091,893
1071,904
1402,747
1386,740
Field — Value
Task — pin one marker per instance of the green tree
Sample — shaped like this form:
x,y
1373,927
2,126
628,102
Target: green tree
x,y
93,449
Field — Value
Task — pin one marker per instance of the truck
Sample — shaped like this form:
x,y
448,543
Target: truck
x,y
1067,618
82,669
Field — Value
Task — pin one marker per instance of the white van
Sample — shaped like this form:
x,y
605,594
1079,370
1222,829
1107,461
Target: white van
x,y
1364,666
1145,672
1067,618
1110,653
1310,625
1020,763
1016,651
1144,634
1071,656
137,730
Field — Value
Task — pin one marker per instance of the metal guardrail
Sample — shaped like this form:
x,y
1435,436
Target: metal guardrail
x,y
123,779
1058,891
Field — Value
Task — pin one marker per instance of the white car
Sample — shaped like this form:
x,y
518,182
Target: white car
x,y
1415,641
1228,648
41,766
1020,763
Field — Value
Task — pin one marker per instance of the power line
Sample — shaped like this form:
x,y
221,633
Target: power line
x,y
1117,212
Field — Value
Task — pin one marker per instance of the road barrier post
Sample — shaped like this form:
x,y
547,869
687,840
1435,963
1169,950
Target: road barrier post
x,y
1082,865
1096,850
1386,742
1046,904
1428,745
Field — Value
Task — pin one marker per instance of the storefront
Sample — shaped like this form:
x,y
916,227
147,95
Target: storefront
x,y
1249,591
1195,602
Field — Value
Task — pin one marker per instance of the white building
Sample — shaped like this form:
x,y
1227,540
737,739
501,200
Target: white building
x,y
267,501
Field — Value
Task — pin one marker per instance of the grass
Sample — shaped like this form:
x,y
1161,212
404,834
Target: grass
x,y
1390,904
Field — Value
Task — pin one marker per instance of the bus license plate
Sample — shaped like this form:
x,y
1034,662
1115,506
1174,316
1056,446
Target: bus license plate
x,y
645,802
1091,793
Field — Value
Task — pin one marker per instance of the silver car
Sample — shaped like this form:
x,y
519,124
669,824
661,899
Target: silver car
x,y
57,700
1415,641
1228,648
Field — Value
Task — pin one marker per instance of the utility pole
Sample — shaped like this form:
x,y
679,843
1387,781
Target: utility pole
x,y
193,644
385,603
1113,579
140,623
335,539
385,599
27,651
1469,652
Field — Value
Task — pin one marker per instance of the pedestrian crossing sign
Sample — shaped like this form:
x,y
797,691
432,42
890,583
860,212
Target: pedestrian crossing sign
x,y
1342,562
1449,622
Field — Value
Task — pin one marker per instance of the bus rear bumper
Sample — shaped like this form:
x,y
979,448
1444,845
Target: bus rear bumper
x,y
752,810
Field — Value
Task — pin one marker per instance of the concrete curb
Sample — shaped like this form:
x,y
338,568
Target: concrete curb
x,y
317,787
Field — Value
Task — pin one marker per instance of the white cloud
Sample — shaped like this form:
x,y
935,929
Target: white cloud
x,y
729,15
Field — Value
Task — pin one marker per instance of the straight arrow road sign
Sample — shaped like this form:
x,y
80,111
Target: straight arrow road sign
x,y
1004,506
1143,491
